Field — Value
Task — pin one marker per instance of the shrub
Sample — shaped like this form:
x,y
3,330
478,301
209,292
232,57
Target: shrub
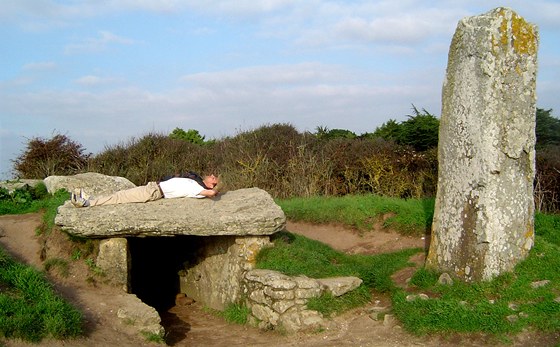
x,y
152,157
547,180
287,163
58,155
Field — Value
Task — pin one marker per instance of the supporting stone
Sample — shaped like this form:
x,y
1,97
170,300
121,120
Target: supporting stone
x,y
216,278
483,219
114,260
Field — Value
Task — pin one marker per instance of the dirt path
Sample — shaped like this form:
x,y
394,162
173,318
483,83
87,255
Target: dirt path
x,y
193,326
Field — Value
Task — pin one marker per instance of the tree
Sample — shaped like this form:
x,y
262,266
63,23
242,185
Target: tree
x,y
46,157
547,129
324,133
389,131
419,131
191,135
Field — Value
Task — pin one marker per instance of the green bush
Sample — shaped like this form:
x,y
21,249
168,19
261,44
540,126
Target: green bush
x,y
24,200
280,160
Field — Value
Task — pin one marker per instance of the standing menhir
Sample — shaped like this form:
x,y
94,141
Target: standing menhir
x,y
483,220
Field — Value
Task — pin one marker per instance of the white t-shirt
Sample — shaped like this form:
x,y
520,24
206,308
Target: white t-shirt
x,y
178,187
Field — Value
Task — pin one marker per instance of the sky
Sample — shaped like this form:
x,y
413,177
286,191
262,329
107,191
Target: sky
x,y
103,72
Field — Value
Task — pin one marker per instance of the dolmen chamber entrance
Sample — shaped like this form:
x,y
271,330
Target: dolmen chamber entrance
x,y
203,248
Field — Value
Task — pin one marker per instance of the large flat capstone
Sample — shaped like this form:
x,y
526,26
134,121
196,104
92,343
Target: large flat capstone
x,y
250,211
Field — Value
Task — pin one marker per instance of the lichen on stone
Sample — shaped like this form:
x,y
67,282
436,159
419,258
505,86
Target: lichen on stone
x,y
523,34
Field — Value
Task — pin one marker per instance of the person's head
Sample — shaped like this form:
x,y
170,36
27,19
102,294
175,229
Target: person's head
x,y
210,181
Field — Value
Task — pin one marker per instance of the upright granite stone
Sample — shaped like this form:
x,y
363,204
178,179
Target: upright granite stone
x,y
483,220
114,259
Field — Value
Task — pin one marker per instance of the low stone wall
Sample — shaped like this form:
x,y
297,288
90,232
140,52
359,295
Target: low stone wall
x,y
280,302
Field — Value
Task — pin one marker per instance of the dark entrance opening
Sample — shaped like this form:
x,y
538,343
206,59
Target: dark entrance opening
x,y
155,263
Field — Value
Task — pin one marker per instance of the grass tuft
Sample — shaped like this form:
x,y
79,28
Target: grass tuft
x,y
61,266
236,313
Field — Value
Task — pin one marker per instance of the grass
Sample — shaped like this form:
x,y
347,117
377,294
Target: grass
x,y
409,217
61,265
297,255
30,308
506,305
29,200
236,313
153,337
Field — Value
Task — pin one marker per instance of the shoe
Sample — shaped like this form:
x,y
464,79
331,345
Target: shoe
x,y
83,194
78,201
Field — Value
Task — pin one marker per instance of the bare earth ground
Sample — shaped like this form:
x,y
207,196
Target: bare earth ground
x,y
193,326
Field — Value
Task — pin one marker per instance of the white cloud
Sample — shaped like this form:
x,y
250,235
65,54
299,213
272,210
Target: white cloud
x,y
306,94
393,30
98,44
40,66
241,8
271,76
92,81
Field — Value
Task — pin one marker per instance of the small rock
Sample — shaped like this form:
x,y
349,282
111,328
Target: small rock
x,y
378,309
539,284
182,300
557,299
389,320
412,297
445,279
512,318
338,286
513,306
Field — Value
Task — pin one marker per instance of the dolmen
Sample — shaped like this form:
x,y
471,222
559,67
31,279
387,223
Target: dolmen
x,y
229,231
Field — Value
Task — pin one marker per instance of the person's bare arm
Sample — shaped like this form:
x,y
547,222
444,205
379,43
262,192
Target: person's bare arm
x,y
209,193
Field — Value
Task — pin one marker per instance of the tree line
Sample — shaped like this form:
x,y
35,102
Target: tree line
x,y
398,159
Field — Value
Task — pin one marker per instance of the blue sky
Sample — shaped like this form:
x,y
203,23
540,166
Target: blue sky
x,y
105,71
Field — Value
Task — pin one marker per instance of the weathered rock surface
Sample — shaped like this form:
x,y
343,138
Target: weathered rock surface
x,y
338,286
93,183
250,211
216,278
483,218
114,259
139,315
280,301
